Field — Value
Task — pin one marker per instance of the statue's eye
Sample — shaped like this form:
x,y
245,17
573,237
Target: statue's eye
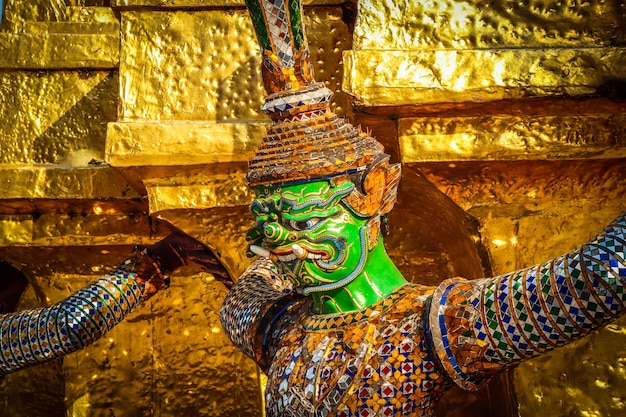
x,y
307,224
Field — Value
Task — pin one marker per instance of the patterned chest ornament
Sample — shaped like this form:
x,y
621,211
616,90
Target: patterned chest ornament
x,y
368,363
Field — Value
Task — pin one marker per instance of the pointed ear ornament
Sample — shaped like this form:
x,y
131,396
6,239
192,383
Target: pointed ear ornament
x,y
377,189
375,195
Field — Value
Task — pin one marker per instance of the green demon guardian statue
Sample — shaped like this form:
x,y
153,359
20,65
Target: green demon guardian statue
x,y
324,311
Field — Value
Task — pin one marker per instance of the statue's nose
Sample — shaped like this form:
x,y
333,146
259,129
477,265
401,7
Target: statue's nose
x,y
275,233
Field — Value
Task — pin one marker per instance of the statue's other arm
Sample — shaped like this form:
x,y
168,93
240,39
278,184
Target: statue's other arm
x,y
34,336
478,328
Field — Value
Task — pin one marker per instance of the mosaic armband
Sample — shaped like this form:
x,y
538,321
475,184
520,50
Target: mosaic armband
x,y
254,311
481,327
35,336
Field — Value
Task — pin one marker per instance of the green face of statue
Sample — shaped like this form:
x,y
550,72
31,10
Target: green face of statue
x,y
307,228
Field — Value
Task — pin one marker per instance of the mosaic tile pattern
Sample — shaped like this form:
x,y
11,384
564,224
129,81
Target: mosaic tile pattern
x,y
333,321
369,363
379,366
31,337
286,61
250,306
276,16
481,327
288,104
319,148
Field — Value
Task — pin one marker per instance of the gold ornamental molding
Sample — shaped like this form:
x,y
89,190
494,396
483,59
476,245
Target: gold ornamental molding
x,y
476,24
58,51
93,229
30,183
512,137
420,77
155,158
199,191
87,38
78,206
181,4
180,143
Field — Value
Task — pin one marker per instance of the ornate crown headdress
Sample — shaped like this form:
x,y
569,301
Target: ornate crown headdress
x,y
306,140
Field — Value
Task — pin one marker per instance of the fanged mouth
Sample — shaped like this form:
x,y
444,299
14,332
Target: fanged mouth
x,y
288,255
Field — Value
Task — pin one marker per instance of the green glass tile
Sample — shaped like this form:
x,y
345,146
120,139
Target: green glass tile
x,y
296,23
259,24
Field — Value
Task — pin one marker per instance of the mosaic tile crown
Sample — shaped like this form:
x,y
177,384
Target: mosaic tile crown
x,y
306,140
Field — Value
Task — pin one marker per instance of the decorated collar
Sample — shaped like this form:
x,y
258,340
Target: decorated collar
x,y
334,321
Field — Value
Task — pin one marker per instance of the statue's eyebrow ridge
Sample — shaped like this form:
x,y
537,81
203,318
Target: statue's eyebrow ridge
x,y
321,202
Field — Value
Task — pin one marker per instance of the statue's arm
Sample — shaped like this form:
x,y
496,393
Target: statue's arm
x,y
478,328
258,309
34,336
31,337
